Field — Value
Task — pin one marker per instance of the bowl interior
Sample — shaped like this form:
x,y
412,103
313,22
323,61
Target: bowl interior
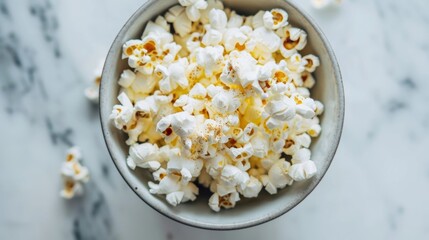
x,y
248,212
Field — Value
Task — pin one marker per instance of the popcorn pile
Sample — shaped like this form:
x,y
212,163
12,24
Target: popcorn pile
x,y
74,174
221,100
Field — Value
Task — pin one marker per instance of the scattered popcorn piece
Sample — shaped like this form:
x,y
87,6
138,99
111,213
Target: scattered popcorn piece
x,y
92,92
74,174
219,99
320,4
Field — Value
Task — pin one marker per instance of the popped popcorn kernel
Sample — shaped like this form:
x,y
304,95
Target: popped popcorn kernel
x,y
92,92
219,99
74,174
322,4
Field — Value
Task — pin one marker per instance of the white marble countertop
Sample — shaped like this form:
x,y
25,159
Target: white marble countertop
x,y
376,188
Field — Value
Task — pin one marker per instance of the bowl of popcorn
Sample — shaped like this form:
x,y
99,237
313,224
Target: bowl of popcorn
x,y
221,114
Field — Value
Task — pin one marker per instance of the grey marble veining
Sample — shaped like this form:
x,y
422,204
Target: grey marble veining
x,y
376,188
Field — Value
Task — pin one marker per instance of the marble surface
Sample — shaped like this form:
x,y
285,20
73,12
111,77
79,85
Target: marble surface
x,y
376,188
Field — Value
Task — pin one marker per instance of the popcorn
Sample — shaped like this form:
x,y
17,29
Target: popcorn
x,y
295,142
173,13
308,80
176,191
162,22
294,39
319,107
193,8
311,62
194,41
258,20
152,105
296,63
218,19
277,177
159,30
251,189
205,179
145,156
212,37
263,43
182,24
234,38
172,77
143,83
215,165
302,168
127,78
122,114
241,69
233,176
134,131
181,123
219,99
227,201
159,174
243,164
226,101
314,130
211,4
187,168
260,144
248,133
92,92
280,108
194,102
303,92
235,20
242,153
171,50
74,174
254,112
210,58
268,161
248,21
321,4
304,106
275,19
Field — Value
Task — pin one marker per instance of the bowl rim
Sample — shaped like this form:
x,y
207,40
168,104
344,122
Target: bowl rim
x,y
258,221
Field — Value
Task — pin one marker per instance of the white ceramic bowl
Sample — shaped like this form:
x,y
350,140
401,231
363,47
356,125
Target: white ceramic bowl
x,y
248,212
